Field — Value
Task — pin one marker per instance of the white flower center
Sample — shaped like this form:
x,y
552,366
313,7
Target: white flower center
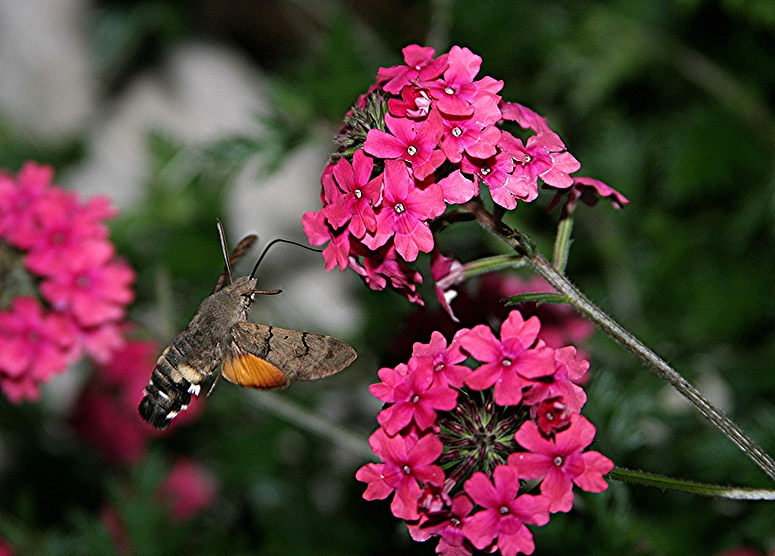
x,y
457,132
399,208
358,193
411,150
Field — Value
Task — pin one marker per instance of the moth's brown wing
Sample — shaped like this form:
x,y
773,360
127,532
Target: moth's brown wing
x,y
242,248
299,355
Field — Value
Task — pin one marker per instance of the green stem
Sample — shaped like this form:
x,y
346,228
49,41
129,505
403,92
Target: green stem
x,y
562,243
522,246
704,489
282,407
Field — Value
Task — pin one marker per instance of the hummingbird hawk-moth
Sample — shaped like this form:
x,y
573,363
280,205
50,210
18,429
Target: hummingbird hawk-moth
x,y
250,354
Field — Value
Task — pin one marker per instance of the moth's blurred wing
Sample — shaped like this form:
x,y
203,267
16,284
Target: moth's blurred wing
x,y
299,355
242,248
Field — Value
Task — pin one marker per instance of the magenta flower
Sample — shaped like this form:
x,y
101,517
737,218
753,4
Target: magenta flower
x,y
410,141
407,461
19,223
188,489
67,233
448,526
33,346
95,290
475,134
383,266
456,91
505,514
560,461
361,195
404,213
415,398
495,172
544,156
442,359
567,372
420,66
511,363
447,273
588,190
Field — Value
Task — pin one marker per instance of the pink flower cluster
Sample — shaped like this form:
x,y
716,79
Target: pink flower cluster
x,y
55,248
427,134
467,424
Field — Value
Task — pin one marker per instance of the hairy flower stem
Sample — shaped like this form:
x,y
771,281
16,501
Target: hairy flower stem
x,y
522,246
718,491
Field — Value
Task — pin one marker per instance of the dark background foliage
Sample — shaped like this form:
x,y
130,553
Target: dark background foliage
x,y
669,102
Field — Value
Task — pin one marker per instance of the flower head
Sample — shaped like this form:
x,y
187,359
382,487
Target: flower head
x,y
452,448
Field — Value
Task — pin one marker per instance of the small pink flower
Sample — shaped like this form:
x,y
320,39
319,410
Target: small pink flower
x,y
410,141
68,232
543,156
560,461
475,134
404,213
456,92
588,190
495,172
188,489
361,195
407,461
383,266
416,398
18,198
33,345
420,66
448,526
511,363
95,290
442,359
505,514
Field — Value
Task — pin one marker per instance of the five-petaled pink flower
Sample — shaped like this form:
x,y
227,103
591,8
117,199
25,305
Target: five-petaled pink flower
x,y
415,398
359,195
405,211
505,514
407,460
410,141
511,363
560,461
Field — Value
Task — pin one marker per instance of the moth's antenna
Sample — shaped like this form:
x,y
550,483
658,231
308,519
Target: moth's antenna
x,y
266,249
224,249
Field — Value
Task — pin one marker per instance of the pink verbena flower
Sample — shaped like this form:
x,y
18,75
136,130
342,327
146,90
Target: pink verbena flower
x,y
420,66
95,290
456,91
404,213
19,223
443,359
504,513
560,461
543,156
415,398
511,363
415,143
408,460
33,346
188,489
588,190
477,439
360,194
67,257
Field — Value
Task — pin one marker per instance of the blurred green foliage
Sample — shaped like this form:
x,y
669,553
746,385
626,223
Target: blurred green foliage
x,y
669,102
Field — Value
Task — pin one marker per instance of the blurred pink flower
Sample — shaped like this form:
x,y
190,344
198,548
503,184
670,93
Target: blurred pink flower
x,y
188,489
